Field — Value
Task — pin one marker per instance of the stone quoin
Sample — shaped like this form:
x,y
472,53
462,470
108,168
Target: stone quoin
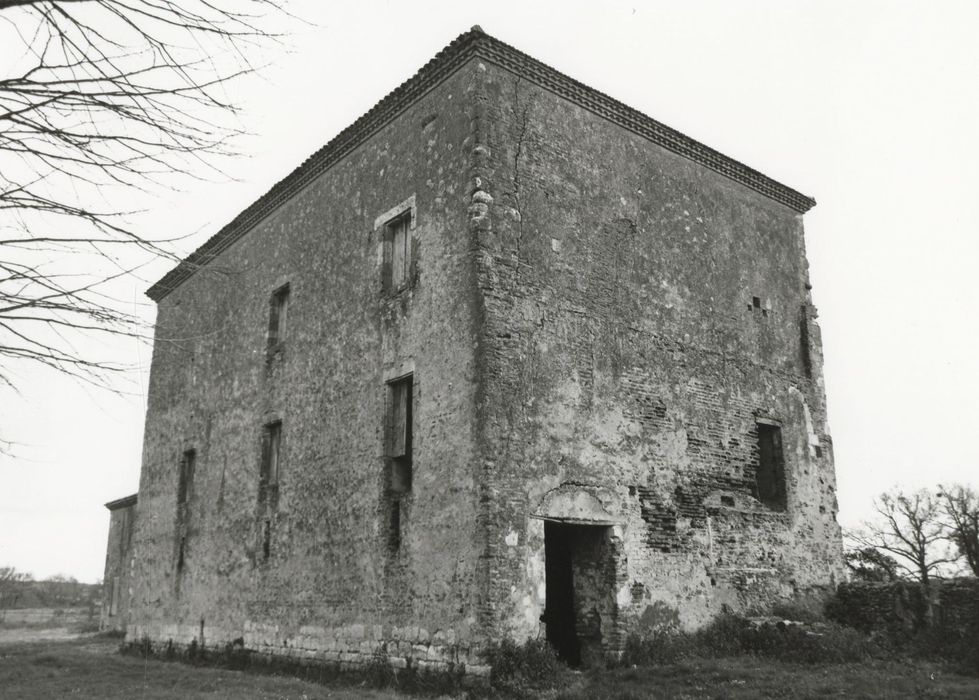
x,y
504,359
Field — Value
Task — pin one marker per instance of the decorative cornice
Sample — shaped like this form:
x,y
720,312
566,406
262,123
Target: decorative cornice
x,y
122,502
445,63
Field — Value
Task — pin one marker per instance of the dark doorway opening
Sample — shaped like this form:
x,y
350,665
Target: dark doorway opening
x,y
559,581
579,575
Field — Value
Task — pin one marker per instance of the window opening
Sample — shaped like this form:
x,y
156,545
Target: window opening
x,y
266,540
397,236
399,453
770,475
271,448
186,478
278,316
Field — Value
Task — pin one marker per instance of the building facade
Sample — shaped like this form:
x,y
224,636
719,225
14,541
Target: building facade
x,y
506,358
117,579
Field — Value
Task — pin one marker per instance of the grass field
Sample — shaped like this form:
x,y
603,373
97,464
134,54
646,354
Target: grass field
x,y
89,667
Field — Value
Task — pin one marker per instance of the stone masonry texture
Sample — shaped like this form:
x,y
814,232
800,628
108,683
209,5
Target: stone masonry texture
x,y
599,319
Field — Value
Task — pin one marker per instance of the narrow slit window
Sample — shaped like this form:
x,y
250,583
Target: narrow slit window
x,y
400,437
181,551
271,453
186,478
266,540
278,316
770,475
804,348
394,525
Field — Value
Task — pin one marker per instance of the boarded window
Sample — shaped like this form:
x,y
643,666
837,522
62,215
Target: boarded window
x,y
278,316
271,443
770,475
399,440
397,238
399,454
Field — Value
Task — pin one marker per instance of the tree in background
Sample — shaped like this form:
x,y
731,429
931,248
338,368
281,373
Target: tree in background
x,y
911,528
11,587
868,564
960,507
100,101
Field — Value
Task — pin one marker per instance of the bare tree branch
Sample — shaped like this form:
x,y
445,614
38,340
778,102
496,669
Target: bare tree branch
x,y
960,505
108,98
910,527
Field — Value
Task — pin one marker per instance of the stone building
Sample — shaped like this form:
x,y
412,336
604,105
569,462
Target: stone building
x,y
117,580
505,358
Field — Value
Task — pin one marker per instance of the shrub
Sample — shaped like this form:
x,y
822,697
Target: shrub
x,y
808,610
732,635
657,647
524,670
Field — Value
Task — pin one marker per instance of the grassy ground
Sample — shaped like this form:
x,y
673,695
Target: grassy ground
x,y
750,677
88,667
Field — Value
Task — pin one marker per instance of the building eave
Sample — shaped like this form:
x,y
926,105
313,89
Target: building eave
x,y
122,502
474,43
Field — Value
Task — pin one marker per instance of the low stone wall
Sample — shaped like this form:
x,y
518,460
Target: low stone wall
x,y
952,603
347,648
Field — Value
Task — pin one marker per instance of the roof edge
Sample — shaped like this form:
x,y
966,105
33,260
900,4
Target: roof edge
x,y
444,64
122,502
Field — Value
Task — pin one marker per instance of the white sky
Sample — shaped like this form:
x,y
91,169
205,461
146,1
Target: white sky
x,y
870,107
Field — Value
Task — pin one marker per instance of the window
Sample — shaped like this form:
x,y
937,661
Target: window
x,y
186,478
399,435
268,486
397,239
278,316
804,348
185,484
271,443
770,475
399,454
266,540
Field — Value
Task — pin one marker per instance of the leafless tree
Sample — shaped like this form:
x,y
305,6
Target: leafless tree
x,y
10,585
101,100
910,527
960,505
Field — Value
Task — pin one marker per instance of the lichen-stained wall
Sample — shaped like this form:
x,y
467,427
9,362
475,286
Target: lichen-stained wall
x,y
331,582
117,579
642,313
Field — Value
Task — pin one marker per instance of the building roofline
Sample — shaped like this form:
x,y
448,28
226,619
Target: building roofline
x,y
122,502
445,63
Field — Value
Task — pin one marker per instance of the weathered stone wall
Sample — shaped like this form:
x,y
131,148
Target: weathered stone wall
x,y
332,587
951,604
117,579
642,314
595,330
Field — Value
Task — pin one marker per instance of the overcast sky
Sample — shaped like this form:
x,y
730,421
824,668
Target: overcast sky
x,y
870,107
